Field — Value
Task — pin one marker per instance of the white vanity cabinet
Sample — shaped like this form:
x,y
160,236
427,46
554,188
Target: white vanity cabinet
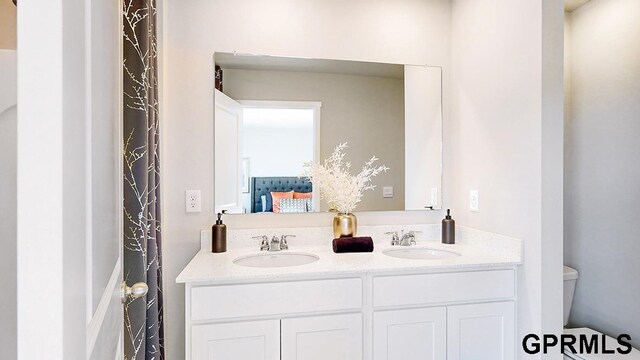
x,y
419,334
335,337
252,340
292,320
452,333
306,338
437,316
487,329
398,315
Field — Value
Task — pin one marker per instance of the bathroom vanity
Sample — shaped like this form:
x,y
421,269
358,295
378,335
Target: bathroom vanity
x,y
425,301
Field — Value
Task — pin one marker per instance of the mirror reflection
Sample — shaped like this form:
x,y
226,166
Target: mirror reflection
x,y
274,114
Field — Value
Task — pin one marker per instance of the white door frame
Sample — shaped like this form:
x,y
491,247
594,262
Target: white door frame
x,y
95,319
276,104
316,106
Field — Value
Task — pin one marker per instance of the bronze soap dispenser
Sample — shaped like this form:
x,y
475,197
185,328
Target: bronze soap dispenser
x,y
219,235
448,229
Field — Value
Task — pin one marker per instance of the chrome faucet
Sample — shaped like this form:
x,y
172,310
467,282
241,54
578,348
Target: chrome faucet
x,y
276,244
407,239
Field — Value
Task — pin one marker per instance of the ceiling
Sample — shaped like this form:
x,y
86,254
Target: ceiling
x,y
570,5
275,63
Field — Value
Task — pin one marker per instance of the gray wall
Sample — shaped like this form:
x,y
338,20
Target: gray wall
x,y
8,220
365,111
602,173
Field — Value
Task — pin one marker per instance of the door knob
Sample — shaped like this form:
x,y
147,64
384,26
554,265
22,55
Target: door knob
x,y
137,290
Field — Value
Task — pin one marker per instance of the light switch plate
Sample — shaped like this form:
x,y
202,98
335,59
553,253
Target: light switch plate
x,y
193,201
474,201
387,191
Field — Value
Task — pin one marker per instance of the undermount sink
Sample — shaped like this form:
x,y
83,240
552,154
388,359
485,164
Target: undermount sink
x,y
420,253
276,259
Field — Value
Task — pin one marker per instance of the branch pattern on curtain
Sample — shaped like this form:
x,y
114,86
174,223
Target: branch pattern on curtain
x,y
143,318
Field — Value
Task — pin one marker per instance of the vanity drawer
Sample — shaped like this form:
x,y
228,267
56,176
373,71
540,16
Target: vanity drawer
x,y
443,288
279,298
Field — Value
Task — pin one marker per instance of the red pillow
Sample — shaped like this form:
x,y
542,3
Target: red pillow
x,y
301,195
277,196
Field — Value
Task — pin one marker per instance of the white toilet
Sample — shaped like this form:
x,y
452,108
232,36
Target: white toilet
x,y
570,278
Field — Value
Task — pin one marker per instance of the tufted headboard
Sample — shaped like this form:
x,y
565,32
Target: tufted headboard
x,y
265,185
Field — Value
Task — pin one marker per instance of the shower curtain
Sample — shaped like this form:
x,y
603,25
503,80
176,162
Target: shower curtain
x,y
143,318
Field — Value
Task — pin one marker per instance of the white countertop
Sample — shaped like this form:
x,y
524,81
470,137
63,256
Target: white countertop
x,y
477,250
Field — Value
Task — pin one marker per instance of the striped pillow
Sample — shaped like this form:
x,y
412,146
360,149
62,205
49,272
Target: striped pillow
x,y
293,205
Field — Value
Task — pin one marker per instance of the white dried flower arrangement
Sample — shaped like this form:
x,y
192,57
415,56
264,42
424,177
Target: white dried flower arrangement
x,y
341,190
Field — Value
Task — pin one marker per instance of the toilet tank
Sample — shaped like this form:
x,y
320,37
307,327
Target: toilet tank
x,y
570,277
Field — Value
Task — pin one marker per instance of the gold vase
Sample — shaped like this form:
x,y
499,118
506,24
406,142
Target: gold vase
x,y
344,225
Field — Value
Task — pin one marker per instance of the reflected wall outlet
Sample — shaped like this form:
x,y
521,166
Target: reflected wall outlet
x,y
474,200
192,201
434,197
387,191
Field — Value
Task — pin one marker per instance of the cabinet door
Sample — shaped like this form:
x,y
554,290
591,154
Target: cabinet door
x,y
332,337
481,331
410,334
255,340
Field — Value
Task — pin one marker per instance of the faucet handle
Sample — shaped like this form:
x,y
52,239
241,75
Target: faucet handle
x,y
412,238
284,245
412,235
264,244
395,239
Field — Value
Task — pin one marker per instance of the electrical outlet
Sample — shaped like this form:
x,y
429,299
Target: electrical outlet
x,y
434,197
193,201
474,201
387,191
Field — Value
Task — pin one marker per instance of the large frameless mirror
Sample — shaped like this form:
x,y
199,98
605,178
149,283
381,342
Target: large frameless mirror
x,y
274,114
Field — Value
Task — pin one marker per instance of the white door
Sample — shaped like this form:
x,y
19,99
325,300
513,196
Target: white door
x,y
332,337
228,154
254,340
69,202
413,334
481,331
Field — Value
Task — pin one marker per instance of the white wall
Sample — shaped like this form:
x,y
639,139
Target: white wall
x,y
506,138
8,188
602,173
367,112
406,31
